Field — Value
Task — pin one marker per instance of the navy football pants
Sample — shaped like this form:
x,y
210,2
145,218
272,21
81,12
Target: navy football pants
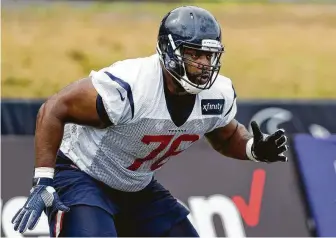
x,y
88,221
99,210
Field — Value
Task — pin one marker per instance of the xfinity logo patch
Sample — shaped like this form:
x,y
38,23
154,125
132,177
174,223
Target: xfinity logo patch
x,y
212,106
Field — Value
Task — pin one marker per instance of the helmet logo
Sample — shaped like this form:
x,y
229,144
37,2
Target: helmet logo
x,y
172,64
211,45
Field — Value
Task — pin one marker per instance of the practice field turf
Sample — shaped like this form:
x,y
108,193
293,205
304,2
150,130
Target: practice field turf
x,y
272,50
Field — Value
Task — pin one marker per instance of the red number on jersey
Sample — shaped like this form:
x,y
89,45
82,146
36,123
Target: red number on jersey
x,y
164,142
173,149
164,139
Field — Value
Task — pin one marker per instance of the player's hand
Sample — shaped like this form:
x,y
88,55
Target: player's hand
x,y
42,196
268,148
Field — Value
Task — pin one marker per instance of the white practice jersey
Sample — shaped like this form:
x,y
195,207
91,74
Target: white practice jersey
x,y
143,136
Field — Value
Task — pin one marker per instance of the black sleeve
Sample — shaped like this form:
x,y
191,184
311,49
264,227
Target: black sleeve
x,y
102,112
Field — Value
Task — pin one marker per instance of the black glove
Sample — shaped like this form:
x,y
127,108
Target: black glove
x,y
267,148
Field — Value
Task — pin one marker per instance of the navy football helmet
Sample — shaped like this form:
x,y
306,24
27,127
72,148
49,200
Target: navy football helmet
x,y
194,28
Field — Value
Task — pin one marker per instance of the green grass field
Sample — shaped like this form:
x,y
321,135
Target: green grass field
x,y
272,50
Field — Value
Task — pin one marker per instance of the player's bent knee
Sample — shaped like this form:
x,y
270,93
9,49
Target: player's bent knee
x,y
83,221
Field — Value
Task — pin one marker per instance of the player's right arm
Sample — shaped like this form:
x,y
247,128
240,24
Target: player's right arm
x,y
99,101
76,103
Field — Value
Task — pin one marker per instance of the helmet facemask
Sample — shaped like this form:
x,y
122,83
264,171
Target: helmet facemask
x,y
177,64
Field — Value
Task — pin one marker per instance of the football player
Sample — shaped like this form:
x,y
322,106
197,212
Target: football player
x,y
99,141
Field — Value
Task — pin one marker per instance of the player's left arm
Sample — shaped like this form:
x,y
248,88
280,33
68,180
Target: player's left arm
x,y
233,140
230,140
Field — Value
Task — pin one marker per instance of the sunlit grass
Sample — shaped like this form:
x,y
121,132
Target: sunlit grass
x,y
272,51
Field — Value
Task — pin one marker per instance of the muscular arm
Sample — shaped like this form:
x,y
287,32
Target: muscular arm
x,y
230,140
74,104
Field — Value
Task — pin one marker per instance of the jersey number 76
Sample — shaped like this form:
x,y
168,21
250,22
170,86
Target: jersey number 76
x,y
164,141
